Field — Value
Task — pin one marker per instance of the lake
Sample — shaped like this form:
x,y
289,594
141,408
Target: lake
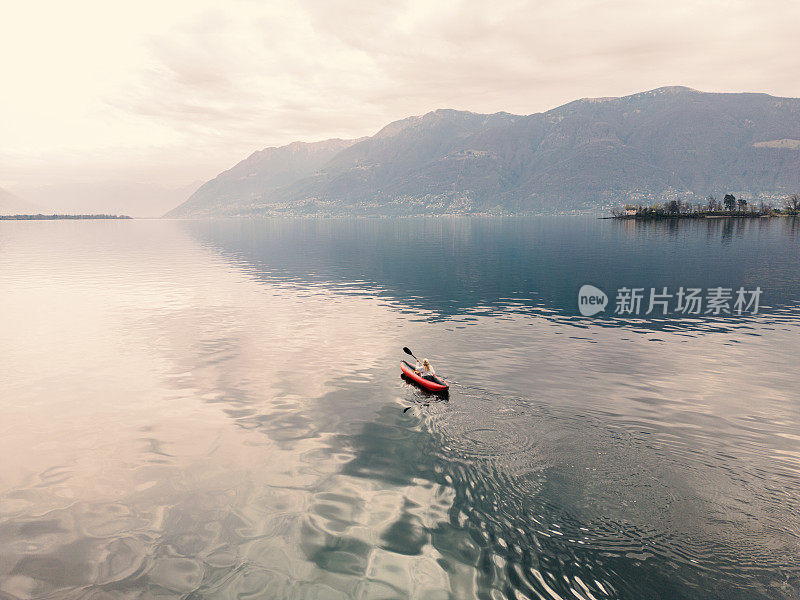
x,y
215,410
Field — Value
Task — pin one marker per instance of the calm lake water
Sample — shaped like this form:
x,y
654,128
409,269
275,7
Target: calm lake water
x,y
214,410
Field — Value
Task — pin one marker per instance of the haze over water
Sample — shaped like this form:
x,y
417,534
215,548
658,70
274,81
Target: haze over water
x,y
214,410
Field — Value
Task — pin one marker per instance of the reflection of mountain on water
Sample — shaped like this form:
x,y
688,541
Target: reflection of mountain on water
x,y
455,267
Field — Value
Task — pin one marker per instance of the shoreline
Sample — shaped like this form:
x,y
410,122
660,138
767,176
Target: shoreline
x,y
694,217
41,217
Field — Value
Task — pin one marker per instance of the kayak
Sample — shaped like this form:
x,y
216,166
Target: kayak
x,y
429,382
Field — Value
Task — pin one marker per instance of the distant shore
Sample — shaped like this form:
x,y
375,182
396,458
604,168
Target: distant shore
x,y
728,207
722,215
41,217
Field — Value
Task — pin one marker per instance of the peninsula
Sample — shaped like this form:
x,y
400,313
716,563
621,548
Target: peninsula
x,y
730,206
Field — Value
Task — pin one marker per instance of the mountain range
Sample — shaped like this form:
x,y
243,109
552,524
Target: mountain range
x,y
590,154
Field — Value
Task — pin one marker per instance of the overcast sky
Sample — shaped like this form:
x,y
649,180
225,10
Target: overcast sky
x,y
169,92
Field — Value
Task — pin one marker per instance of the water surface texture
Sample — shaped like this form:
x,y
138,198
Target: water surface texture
x,y
214,410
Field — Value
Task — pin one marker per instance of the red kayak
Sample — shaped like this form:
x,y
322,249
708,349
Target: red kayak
x,y
429,382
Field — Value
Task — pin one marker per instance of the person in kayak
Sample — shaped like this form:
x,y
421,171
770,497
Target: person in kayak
x,y
425,368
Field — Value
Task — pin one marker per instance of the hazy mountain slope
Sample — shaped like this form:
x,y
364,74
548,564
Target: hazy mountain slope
x,y
258,175
702,142
585,154
408,159
11,204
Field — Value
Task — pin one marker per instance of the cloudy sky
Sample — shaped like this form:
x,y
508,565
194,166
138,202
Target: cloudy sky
x,y
169,92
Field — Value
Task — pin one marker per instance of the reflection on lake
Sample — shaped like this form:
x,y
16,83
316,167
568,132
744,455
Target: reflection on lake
x,y
214,410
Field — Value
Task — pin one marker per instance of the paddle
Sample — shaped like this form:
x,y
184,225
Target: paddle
x,y
407,351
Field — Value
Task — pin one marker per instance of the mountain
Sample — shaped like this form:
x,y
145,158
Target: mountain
x,y
12,205
242,188
590,153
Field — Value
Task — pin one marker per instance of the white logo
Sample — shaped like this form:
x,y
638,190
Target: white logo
x,y
591,300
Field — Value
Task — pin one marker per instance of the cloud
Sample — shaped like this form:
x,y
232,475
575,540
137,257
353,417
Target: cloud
x,y
192,87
